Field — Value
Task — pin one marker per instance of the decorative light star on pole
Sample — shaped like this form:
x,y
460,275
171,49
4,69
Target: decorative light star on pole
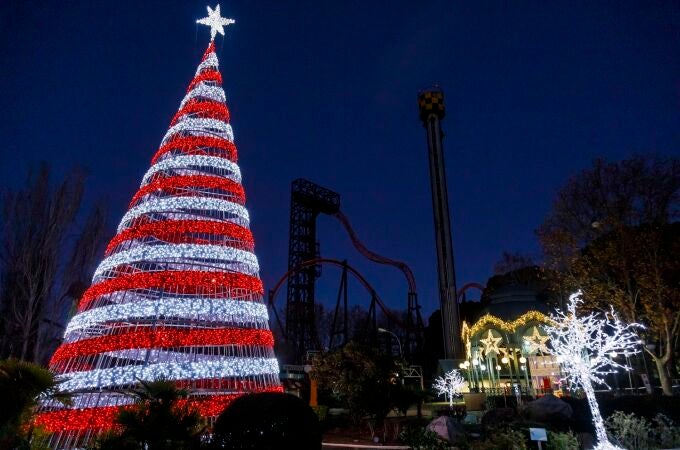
x,y
536,342
215,21
491,343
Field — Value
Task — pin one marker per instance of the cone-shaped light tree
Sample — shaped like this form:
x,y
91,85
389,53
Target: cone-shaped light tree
x,y
585,346
178,294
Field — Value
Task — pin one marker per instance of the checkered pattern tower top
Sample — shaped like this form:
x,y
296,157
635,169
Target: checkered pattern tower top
x,y
178,294
431,102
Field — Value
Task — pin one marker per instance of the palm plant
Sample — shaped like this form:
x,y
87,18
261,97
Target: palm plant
x,y
160,419
22,385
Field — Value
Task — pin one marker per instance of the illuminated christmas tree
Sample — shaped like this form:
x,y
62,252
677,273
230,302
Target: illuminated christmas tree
x,y
178,294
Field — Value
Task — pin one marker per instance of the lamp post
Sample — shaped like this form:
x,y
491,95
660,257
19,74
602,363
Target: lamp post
x,y
382,330
469,374
630,379
505,360
525,368
462,367
479,383
649,347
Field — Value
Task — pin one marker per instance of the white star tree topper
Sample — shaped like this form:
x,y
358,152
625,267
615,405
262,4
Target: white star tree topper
x,y
215,21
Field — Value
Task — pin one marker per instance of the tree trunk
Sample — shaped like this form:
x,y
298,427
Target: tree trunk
x,y
600,431
663,376
24,344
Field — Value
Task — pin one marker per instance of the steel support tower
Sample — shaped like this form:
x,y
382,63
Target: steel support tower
x,y
307,201
431,105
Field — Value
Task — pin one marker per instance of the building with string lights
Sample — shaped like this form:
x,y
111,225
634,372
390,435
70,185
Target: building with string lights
x,y
504,337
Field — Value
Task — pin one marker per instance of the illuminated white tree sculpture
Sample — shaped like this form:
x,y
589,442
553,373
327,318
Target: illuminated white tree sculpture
x,y
584,346
450,385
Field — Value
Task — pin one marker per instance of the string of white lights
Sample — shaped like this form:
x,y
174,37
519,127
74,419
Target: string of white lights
x,y
187,205
93,400
197,163
131,296
201,125
204,309
215,93
128,375
211,61
163,356
220,256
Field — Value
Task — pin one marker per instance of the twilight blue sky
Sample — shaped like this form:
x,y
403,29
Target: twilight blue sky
x,y
327,90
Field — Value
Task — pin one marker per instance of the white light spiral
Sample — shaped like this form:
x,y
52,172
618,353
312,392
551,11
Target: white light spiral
x,y
210,61
214,93
186,205
204,309
228,257
127,375
193,163
211,127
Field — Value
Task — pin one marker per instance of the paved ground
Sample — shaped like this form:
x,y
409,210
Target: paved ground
x,y
338,446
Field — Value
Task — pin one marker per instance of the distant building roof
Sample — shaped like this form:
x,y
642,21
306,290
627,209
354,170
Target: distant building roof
x,y
510,302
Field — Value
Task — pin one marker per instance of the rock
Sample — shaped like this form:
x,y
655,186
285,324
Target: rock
x,y
548,409
448,429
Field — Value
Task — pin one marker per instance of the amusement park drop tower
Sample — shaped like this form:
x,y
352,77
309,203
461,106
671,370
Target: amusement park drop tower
x,y
431,105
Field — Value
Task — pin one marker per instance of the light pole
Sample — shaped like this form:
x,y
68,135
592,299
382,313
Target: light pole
x,y
382,330
649,347
630,378
525,368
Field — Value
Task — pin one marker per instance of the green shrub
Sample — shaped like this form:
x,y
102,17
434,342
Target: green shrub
x,y
667,435
647,406
418,438
562,441
503,439
637,433
630,431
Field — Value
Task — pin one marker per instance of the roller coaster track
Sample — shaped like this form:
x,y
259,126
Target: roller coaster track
x,y
372,256
308,200
391,316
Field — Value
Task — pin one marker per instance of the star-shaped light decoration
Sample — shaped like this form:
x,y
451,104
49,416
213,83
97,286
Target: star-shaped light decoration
x,y
536,342
215,21
491,343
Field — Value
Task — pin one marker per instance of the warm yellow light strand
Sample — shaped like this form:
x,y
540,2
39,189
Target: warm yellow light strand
x,y
509,326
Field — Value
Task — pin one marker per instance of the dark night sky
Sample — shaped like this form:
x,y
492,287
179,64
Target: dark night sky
x,y
327,91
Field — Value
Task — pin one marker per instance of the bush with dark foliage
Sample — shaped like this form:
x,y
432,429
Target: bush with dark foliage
x,y
266,421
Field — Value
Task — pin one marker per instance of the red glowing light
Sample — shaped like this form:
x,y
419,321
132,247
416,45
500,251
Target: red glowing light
x,y
206,75
183,281
104,417
206,109
179,183
180,231
162,337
